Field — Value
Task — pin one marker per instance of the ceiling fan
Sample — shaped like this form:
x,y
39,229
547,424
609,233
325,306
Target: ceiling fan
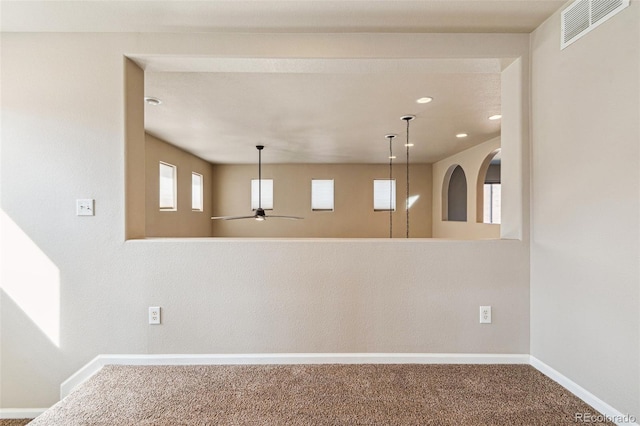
x,y
260,213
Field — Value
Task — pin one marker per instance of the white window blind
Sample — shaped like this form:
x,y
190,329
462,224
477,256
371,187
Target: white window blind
x,y
384,194
322,194
168,187
197,192
267,194
492,202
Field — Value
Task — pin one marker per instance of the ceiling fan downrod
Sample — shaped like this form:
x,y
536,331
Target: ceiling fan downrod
x,y
260,215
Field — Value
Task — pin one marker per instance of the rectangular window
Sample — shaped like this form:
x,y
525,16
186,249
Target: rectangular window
x,y
492,202
197,192
267,194
168,187
322,195
384,195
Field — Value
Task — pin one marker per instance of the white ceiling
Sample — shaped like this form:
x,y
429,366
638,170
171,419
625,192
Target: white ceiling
x,y
328,111
321,117
505,16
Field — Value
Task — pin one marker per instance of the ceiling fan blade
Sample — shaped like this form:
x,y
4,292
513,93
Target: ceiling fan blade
x,y
284,217
232,217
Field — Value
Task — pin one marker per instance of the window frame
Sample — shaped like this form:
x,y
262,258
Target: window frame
x,y
174,190
201,195
393,196
489,204
333,195
264,206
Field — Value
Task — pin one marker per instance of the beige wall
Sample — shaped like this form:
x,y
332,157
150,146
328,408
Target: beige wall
x,y
471,161
135,176
353,216
218,295
585,276
184,222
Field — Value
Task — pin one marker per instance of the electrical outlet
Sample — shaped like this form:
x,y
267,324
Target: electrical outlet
x,y
154,315
84,207
485,314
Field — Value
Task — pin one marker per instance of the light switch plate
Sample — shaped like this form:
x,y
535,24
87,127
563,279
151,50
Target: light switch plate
x,y
85,207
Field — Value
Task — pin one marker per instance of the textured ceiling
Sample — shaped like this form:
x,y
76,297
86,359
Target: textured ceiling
x,y
321,117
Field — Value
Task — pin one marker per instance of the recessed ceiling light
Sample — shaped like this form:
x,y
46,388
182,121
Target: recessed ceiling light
x,y
408,144
152,101
461,135
424,100
495,117
392,157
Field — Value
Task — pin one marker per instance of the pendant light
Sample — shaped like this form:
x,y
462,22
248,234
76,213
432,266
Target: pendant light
x,y
407,118
391,157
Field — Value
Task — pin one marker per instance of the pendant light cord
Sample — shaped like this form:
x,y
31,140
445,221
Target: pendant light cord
x,y
407,201
390,187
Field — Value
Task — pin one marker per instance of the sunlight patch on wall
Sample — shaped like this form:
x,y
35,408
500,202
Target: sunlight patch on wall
x,y
411,201
30,278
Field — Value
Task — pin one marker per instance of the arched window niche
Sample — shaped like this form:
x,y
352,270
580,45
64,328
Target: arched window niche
x,y
454,195
489,190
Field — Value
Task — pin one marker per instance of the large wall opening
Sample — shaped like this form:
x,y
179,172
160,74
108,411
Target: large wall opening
x,y
298,166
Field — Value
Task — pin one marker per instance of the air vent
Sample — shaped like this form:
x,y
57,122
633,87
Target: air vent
x,y
583,16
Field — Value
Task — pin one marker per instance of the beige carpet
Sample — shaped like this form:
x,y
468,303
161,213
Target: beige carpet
x,y
14,422
318,395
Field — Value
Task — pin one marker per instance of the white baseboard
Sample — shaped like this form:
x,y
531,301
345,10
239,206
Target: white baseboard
x,y
21,413
599,405
302,358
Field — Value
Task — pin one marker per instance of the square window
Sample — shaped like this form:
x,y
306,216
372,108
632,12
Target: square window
x,y
322,194
384,195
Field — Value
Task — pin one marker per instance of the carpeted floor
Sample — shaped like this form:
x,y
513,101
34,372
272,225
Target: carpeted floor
x,y
14,422
318,395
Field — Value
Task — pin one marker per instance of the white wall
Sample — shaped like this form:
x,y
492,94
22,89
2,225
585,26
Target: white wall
x,y
63,138
585,207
